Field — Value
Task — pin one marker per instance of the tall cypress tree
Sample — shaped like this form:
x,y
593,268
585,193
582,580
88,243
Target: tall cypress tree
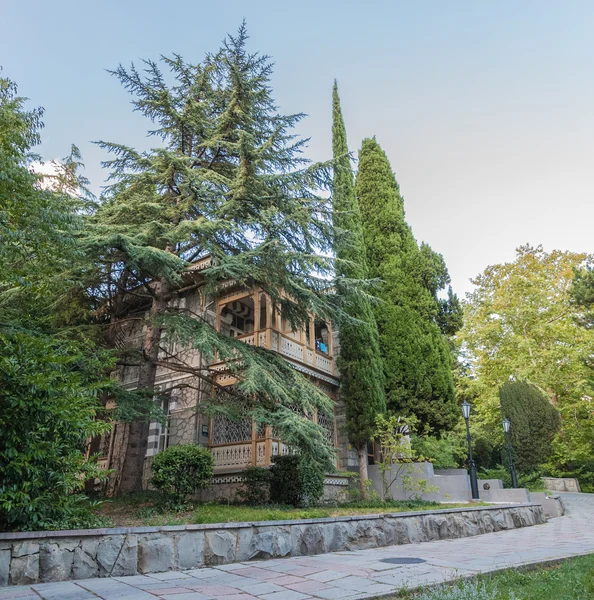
x,y
359,362
413,320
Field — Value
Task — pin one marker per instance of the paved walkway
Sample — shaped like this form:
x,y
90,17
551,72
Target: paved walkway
x,y
345,575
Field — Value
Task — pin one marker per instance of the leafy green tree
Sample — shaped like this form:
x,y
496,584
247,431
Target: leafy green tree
x,y
359,361
535,421
48,404
229,181
50,376
412,320
520,323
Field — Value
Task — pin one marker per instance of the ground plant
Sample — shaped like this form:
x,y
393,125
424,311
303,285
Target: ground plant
x,y
468,590
179,471
146,509
571,579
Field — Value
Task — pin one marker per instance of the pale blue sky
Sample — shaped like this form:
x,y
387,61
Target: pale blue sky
x,y
486,109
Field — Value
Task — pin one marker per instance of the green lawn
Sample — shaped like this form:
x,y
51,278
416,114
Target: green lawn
x,y
142,509
572,579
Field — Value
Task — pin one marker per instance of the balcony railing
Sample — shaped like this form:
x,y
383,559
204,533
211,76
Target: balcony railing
x,y
241,454
291,348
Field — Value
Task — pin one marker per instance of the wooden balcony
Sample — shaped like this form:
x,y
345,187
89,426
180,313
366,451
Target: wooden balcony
x,y
249,316
291,348
239,455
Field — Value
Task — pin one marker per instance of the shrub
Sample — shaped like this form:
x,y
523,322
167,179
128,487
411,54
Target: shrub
x,y
256,486
532,481
180,470
534,422
312,479
295,480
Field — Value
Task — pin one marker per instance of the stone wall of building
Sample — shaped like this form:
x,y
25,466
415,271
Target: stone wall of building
x,y
34,557
225,488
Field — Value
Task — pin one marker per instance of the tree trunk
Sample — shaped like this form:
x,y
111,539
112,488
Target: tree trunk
x,y
133,466
363,474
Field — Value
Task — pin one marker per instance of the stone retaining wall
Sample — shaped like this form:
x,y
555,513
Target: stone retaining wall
x,y
32,557
561,484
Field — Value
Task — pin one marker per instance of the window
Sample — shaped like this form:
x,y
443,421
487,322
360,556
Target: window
x,y
164,429
237,318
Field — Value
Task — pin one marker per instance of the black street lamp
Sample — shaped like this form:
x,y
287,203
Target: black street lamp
x,y
512,469
471,463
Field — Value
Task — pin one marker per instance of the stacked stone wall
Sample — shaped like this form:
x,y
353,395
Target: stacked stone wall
x,y
33,557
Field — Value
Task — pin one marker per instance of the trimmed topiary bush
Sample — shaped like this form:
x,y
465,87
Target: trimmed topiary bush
x,y
180,470
534,423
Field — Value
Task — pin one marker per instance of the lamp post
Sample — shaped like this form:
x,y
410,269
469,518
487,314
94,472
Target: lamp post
x,y
512,469
471,463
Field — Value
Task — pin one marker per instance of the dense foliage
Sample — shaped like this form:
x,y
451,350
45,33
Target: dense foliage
x,y
359,361
295,480
413,321
228,181
534,423
520,324
180,470
50,374
255,490
446,452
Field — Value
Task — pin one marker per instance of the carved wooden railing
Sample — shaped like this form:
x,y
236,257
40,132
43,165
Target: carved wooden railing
x,y
241,454
291,348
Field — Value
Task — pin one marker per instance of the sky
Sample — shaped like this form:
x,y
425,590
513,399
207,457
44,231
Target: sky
x,y
485,109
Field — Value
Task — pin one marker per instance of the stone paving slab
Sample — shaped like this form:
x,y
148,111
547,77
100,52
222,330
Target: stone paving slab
x,y
344,575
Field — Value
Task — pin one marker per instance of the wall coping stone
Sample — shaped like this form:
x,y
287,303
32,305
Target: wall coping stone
x,y
66,533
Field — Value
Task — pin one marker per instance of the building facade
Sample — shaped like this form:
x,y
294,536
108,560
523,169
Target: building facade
x,y
248,316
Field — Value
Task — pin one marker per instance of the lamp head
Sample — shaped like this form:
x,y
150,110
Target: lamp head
x,y
506,425
466,410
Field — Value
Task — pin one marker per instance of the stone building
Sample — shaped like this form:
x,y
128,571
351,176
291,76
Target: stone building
x,y
246,315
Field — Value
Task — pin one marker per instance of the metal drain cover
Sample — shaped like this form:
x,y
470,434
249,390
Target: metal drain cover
x,y
405,560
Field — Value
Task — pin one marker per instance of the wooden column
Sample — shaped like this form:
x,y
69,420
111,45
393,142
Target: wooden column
x,y
330,345
303,342
268,322
254,443
257,319
217,315
268,458
278,324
